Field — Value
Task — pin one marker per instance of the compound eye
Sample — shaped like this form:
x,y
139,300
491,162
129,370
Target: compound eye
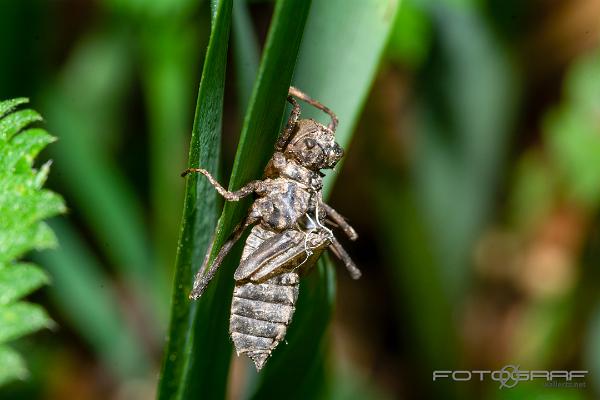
x,y
310,143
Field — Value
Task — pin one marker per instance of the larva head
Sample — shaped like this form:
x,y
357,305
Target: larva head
x,y
313,145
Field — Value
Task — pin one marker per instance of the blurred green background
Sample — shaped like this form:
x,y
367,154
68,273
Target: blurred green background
x,y
472,177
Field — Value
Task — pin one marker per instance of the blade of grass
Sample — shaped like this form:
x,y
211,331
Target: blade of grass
x,y
338,60
461,137
200,211
462,132
418,280
166,76
83,107
210,358
342,83
300,363
245,53
95,314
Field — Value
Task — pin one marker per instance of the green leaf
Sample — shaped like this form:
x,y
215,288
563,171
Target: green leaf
x,y
264,115
85,296
30,142
410,39
23,206
572,134
342,83
166,72
200,211
533,191
336,74
431,218
152,10
19,280
12,365
99,190
203,366
9,105
461,135
13,123
420,291
299,363
259,133
245,53
20,319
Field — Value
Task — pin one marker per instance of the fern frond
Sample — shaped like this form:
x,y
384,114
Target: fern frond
x,y
23,207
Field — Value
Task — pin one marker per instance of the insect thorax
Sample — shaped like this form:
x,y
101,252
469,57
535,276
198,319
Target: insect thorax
x,y
287,195
281,167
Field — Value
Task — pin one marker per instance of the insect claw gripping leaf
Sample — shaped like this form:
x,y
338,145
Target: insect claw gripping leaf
x,y
289,236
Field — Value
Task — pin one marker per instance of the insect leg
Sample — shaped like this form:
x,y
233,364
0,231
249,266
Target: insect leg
x,y
229,196
303,96
289,126
340,253
339,219
204,276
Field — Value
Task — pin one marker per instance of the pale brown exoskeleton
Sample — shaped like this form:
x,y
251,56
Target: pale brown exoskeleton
x,y
288,235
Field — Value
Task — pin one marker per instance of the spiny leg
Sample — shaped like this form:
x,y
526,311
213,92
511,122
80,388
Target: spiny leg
x,y
289,127
341,253
340,221
203,277
229,196
303,96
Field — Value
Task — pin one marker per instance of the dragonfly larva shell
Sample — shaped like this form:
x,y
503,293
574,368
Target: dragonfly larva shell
x,y
260,315
261,312
288,235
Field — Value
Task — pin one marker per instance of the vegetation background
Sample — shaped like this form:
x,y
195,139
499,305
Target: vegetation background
x,y
472,176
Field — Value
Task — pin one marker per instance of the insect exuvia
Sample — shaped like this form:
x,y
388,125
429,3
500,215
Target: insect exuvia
x,y
289,233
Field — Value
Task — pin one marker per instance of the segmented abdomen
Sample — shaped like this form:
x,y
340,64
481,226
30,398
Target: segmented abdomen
x,y
261,312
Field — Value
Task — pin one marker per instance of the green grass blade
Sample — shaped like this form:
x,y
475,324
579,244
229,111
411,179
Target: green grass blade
x,y
208,371
245,53
462,134
342,83
339,75
166,44
199,215
417,277
263,119
300,363
83,294
83,107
